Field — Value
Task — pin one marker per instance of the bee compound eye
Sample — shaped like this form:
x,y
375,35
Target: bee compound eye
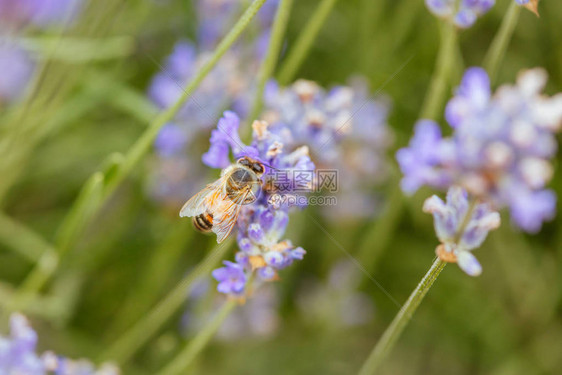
x,y
244,162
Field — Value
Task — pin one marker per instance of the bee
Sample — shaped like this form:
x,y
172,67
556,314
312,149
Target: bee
x,y
216,207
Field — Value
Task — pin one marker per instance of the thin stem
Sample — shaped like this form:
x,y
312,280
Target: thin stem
x,y
186,356
442,75
497,49
23,240
268,65
79,50
304,42
133,339
82,212
392,333
143,144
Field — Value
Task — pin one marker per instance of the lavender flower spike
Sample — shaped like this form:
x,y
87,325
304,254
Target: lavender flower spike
x,y
449,220
261,224
500,150
17,67
18,355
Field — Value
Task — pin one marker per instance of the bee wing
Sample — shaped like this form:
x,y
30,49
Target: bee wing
x,y
204,200
226,215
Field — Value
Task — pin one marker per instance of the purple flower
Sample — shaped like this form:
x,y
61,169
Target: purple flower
x,y
220,88
171,140
16,67
463,13
231,278
216,17
420,161
473,95
18,355
17,352
223,139
41,13
50,12
262,224
500,149
441,8
449,218
345,130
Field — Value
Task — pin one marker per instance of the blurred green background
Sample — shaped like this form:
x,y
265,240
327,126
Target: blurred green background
x,y
91,103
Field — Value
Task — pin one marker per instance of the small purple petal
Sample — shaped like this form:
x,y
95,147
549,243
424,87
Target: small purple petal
x,y
469,264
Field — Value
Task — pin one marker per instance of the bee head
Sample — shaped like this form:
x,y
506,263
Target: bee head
x,y
252,164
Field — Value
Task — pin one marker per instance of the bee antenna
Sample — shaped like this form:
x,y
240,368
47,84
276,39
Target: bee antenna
x,y
267,165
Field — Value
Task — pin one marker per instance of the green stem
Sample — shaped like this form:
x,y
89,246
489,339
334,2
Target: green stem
x,y
392,333
133,339
268,65
442,75
186,356
23,240
497,49
304,42
82,212
79,50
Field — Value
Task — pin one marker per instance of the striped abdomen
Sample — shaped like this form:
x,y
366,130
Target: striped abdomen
x,y
203,222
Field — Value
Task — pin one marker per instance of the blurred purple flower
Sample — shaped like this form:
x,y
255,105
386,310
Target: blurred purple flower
x,y
336,303
216,17
17,68
171,140
18,355
41,13
215,93
500,150
345,129
463,13
50,12
257,318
